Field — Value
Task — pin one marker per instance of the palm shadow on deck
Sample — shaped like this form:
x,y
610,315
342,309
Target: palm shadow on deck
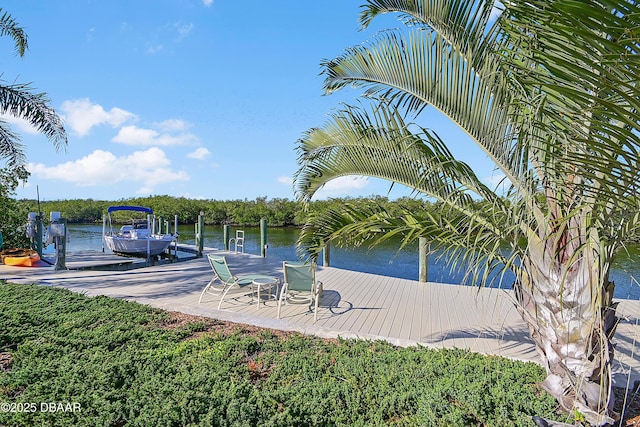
x,y
504,341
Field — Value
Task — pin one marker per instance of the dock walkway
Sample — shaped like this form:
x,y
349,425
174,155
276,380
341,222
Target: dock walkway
x,y
354,305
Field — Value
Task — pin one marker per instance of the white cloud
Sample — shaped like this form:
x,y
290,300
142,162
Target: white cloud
x,y
342,187
286,180
199,154
172,125
133,135
81,115
338,187
104,168
498,183
22,125
188,195
494,180
145,191
98,167
207,2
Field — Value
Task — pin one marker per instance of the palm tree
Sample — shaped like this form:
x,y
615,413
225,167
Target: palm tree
x,y
19,101
548,89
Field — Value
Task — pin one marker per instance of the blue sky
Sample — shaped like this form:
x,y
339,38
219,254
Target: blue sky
x,y
194,98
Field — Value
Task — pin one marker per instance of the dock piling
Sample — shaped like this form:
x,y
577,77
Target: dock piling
x,y
200,235
263,237
423,253
226,233
326,255
104,228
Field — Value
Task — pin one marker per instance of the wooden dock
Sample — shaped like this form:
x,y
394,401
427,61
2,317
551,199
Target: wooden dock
x,y
354,305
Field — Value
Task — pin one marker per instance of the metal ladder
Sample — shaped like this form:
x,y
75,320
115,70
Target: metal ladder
x,y
238,241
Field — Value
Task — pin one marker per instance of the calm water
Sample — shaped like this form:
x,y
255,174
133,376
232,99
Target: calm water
x,y
383,260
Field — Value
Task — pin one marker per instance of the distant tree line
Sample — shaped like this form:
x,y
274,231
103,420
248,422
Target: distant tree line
x,y
277,211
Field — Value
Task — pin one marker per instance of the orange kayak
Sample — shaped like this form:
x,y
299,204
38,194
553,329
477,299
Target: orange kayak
x,y
19,257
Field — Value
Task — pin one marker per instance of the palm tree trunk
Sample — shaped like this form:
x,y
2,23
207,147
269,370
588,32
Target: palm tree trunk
x,y
571,317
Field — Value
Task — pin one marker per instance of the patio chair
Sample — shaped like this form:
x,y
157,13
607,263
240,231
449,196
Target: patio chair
x,y
300,286
224,282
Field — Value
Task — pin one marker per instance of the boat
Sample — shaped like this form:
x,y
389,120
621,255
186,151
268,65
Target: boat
x,y
137,238
19,257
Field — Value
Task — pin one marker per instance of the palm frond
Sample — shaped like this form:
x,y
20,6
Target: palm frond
x,y
462,23
10,148
18,100
380,144
9,27
473,98
465,243
581,58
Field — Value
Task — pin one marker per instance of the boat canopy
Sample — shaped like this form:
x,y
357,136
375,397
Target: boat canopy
x,y
129,208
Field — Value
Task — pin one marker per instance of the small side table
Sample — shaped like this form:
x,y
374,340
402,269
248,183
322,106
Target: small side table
x,y
268,284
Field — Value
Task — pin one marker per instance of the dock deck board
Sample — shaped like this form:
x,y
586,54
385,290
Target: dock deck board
x,y
354,305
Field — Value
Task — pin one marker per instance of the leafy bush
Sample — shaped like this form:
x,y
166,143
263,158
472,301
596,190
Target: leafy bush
x,y
278,212
125,363
13,216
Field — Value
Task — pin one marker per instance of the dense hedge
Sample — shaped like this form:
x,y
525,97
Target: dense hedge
x,y
127,364
12,213
277,212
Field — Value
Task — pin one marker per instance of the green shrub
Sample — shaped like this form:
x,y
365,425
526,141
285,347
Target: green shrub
x,y
125,366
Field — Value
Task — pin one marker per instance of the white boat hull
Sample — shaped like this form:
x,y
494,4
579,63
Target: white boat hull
x,y
153,245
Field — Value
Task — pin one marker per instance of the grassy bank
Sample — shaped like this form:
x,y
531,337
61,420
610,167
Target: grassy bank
x,y
106,362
